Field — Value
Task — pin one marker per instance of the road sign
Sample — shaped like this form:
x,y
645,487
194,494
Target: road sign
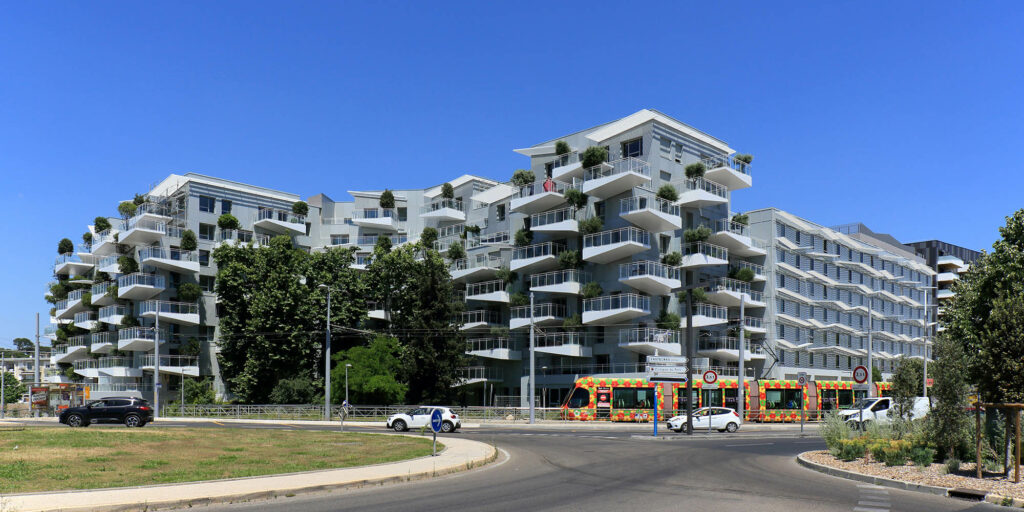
x,y
861,387
710,386
436,420
860,374
667,359
666,369
710,377
801,379
667,377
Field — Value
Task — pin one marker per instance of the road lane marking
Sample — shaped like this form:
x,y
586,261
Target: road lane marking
x,y
748,444
867,503
218,423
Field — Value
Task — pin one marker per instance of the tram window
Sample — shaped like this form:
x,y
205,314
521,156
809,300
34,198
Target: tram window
x,y
845,398
828,400
580,398
711,397
731,396
783,398
681,399
623,398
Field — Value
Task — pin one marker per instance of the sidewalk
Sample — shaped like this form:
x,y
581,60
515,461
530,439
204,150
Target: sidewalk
x,y
458,455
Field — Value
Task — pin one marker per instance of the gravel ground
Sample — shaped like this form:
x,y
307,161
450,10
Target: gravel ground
x,y
932,475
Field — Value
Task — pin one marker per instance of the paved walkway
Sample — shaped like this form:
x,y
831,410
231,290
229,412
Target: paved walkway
x,y
459,454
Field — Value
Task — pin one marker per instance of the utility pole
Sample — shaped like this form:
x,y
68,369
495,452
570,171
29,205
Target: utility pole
x,y
327,360
3,385
871,368
689,358
156,365
740,380
37,372
533,376
924,358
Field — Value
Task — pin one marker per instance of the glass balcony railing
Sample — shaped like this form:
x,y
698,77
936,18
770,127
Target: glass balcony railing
x,y
648,335
726,343
647,268
628,164
167,254
236,235
375,213
615,236
115,362
706,310
85,317
566,159
440,204
486,287
620,301
480,373
169,360
452,230
589,369
533,189
280,215
478,316
140,279
97,338
140,333
557,277
372,239
480,344
647,201
500,237
443,244
167,307
111,387
73,298
538,250
103,237
108,261
736,286
76,342
707,186
706,249
758,269
85,364
553,216
100,289
70,257
726,161
471,263
561,339
145,223
546,309
732,227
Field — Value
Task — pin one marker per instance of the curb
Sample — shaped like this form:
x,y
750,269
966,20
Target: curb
x,y
860,477
478,462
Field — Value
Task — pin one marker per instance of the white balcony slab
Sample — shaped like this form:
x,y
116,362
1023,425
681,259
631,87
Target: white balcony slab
x,y
568,171
566,288
737,244
103,300
534,264
731,298
653,219
445,214
173,265
613,252
104,245
700,198
70,354
382,223
473,274
548,320
567,351
702,259
174,318
175,369
102,347
121,371
649,347
947,277
143,234
72,268
501,296
138,291
73,307
537,203
652,284
731,178
567,227
701,320
612,316
281,227
379,314
615,184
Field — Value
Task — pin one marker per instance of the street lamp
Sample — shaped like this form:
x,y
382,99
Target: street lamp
x,y
327,360
347,366
924,354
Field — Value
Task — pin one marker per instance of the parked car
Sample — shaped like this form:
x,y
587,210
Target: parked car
x,y
420,417
132,411
723,419
881,409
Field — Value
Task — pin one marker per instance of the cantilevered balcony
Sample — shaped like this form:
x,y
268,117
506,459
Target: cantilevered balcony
x,y
282,222
86,319
152,211
361,262
752,324
469,375
539,197
100,296
736,237
757,269
443,244
77,347
51,332
561,221
72,264
377,218
947,277
615,309
117,367
108,264
613,178
497,238
615,244
478,319
726,348
544,314
949,263
175,260
139,338
88,368
944,294
55,376
567,344
242,237
568,281
701,193
650,212
143,230
474,268
704,314
102,342
377,311
67,308
703,254
105,242
176,365
371,240
139,286
444,210
650,276
566,167
651,341
488,291
494,348
181,313
728,171
536,257
728,292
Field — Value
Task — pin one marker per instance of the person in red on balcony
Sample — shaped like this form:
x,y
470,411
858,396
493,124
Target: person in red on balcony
x,y
549,185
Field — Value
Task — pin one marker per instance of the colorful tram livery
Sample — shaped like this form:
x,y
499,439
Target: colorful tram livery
x,y
632,399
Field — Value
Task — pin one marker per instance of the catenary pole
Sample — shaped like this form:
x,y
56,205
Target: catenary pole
x,y
156,365
37,372
871,368
533,376
924,358
327,362
689,360
741,344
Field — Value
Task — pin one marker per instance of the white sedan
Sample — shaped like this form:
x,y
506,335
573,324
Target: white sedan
x,y
722,419
420,417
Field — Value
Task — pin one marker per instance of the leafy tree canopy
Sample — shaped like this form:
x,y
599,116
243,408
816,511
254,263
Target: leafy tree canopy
x,y
373,378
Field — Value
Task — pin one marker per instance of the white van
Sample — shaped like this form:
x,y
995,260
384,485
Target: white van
x,y
881,409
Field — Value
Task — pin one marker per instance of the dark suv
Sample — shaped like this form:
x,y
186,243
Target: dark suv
x,y
133,412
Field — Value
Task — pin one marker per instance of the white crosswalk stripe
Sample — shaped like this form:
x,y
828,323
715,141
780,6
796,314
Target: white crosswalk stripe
x,y
873,498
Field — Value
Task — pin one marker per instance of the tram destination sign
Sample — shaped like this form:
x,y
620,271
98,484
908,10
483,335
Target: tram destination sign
x,y
667,360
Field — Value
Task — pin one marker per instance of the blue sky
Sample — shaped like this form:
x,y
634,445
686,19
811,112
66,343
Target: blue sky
x,y
905,116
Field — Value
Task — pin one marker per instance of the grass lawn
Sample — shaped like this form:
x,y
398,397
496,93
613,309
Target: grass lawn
x,y
49,459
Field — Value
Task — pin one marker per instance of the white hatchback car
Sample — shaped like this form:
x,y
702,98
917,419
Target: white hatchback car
x,y
420,417
722,419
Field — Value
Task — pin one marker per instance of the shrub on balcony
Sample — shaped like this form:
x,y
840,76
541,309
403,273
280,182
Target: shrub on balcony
x,y
227,221
572,322
594,155
100,277
506,275
523,177
697,234
189,292
190,348
699,295
100,224
499,332
129,321
591,290
447,191
127,209
569,260
741,218
456,252
695,170
672,259
466,230
188,240
87,300
428,237
387,199
562,148
300,208
383,244
591,225
65,246
742,274
87,238
112,291
744,157
667,320
668,193
523,237
139,199
127,265
518,299
575,198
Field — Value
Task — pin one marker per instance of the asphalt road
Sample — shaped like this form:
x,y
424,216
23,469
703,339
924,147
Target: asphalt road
x,y
597,470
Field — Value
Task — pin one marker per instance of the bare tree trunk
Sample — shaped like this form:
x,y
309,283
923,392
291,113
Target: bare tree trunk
x,y
1008,446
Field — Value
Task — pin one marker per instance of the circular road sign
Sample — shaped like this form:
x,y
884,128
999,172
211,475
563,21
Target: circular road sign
x,y
710,377
801,380
860,374
436,421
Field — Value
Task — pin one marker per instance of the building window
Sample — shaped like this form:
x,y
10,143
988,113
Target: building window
x,y
206,204
665,176
664,245
207,231
206,283
633,147
599,209
403,214
339,239
781,231
204,258
499,212
225,206
782,331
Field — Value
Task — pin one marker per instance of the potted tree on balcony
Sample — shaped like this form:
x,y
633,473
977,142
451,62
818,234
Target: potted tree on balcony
x,y
87,238
672,259
300,208
100,224
569,260
741,218
427,237
594,155
668,193
523,237
456,252
562,148
447,191
695,170
523,177
744,157
591,290
591,225
576,198
127,209
189,292
188,240
65,246
227,221
387,200
697,234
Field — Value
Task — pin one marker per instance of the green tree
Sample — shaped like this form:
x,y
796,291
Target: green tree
x,y
594,155
13,388
427,237
562,148
373,377
386,275
199,391
387,199
570,259
590,225
523,177
127,209
741,218
188,240
447,191
668,193
576,198
695,170
300,208
24,344
948,423
907,383
127,265
87,237
672,259
100,224
697,234
523,237
297,390
456,251
876,374
744,157
227,221
65,246
189,292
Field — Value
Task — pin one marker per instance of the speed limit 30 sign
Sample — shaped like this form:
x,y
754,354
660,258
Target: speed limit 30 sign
x,y
860,374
